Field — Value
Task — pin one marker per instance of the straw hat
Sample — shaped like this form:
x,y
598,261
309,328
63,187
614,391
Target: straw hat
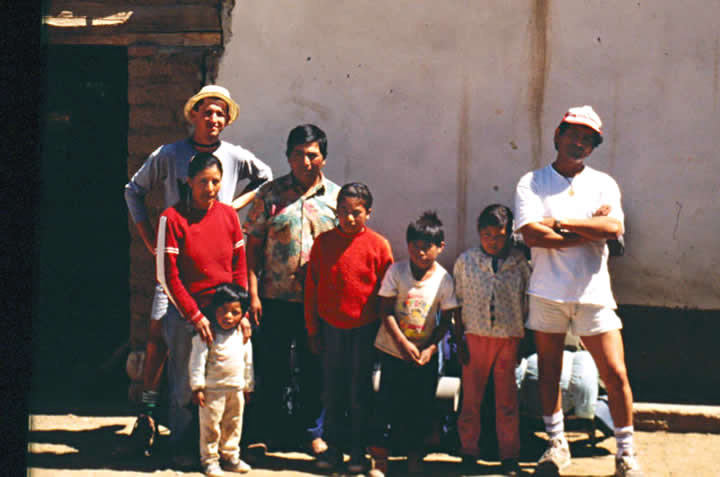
x,y
213,91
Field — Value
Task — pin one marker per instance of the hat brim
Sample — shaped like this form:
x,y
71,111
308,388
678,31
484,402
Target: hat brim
x,y
578,121
232,105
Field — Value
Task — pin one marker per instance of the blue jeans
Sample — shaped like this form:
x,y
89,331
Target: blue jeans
x,y
178,337
578,385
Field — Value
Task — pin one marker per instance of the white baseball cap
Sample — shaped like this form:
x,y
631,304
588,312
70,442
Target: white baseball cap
x,y
585,116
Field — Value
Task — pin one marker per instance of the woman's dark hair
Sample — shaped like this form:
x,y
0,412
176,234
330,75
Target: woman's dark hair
x,y
198,163
564,126
496,215
304,134
229,293
356,190
428,227
202,161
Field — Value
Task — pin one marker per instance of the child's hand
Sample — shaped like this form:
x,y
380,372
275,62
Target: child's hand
x,y
426,354
246,328
411,351
198,398
463,352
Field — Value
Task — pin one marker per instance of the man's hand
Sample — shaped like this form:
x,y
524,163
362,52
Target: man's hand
x,y
463,352
603,211
246,328
247,395
198,397
202,326
315,344
255,309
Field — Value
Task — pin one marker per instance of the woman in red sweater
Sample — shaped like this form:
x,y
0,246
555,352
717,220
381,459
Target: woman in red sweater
x,y
199,246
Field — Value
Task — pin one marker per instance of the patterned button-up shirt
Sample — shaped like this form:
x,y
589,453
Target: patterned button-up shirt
x,y
493,303
287,221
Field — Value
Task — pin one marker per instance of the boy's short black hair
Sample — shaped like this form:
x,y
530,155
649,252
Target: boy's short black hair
x,y
229,293
304,134
496,215
564,126
356,190
428,227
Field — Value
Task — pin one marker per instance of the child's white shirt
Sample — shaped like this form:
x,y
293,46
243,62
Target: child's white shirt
x,y
416,304
227,363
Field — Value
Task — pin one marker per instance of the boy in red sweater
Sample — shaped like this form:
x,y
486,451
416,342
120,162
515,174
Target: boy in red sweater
x,y
344,273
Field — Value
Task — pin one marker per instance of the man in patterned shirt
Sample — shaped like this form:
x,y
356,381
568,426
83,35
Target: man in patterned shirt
x,y
285,217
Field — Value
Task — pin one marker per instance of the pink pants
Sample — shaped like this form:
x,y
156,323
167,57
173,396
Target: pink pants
x,y
499,356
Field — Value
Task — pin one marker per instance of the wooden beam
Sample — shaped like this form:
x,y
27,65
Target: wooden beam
x,y
67,37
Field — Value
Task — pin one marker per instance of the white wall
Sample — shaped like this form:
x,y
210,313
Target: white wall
x,y
445,105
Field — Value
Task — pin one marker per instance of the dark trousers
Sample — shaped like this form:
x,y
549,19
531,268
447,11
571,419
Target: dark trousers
x,y
348,358
406,402
281,417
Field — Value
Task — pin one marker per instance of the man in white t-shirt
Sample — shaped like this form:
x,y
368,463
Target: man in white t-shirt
x,y
566,212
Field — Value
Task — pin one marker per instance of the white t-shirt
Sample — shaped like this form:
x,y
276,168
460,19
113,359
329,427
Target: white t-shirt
x,y
416,304
573,274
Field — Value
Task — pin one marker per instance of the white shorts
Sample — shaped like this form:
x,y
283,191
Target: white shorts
x,y
581,319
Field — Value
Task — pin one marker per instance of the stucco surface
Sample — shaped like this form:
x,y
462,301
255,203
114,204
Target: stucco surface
x,y
444,105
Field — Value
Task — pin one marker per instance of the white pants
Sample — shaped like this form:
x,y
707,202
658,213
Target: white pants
x,y
221,425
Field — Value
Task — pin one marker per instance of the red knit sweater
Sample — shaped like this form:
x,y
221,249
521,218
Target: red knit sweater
x,y
343,278
197,253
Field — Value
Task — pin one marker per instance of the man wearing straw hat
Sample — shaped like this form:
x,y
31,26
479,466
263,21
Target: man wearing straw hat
x,y
566,212
209,111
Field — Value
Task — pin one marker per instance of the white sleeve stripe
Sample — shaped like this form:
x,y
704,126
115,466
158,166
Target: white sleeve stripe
x,y
174,250
239,244
160,260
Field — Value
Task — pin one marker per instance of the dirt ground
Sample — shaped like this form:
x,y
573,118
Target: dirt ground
x,y
72,445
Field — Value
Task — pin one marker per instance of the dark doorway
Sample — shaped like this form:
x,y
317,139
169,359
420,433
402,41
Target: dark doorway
x,y
80,312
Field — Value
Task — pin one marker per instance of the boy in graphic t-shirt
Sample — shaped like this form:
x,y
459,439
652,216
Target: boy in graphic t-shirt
x,y
411,294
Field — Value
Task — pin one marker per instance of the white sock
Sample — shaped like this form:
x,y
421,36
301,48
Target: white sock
x,y
555,425
624,440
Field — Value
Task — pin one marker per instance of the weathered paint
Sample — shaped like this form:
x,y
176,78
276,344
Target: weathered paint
x,y
389,82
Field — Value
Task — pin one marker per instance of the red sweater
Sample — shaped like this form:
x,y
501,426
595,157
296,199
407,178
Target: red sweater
x,y
343,278
196,253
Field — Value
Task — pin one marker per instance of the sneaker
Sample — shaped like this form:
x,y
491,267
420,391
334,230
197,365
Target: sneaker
x,y
213,470
329,459
626,465
555,458
358,463
236,465
510,468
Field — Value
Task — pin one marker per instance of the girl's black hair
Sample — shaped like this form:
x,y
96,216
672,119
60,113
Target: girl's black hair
x,y
198,163
202,161
496,215
427,227
356,190
304,134
229,293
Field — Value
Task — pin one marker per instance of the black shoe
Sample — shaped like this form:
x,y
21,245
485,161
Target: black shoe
x,y
144,433
330,459
358,463
511,468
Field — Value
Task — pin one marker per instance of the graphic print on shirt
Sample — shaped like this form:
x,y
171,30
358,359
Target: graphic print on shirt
x,y
413,313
